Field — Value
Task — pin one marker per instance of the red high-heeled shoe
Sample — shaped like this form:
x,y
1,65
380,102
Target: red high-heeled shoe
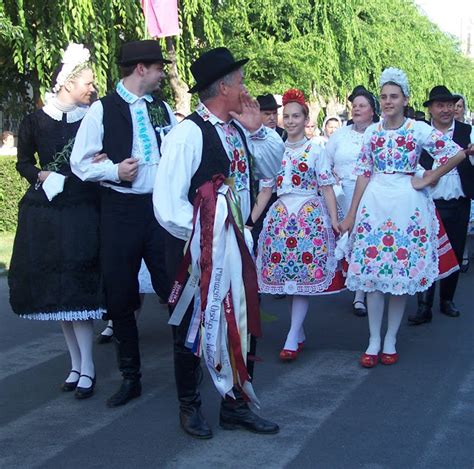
x,y
300,346
389,358
368,361
288,355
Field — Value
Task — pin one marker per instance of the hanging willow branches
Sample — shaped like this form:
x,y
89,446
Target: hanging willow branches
x,y
324,47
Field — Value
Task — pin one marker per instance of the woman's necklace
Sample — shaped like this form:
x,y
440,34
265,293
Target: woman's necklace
x,y
296,144
394,127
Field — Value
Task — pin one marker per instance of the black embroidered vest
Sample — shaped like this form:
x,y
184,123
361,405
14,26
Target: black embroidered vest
x,y
214,159
118,129
462,136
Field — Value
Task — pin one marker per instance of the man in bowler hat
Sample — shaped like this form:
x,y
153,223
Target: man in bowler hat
x,y
226,123
128,125
452,196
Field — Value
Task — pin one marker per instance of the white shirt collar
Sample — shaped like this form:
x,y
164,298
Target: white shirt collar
x,y
130,97
75,114
207,115
449,131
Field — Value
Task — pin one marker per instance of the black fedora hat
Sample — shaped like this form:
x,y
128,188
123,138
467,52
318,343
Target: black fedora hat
x,y
441,93
267,102
141,51
212,65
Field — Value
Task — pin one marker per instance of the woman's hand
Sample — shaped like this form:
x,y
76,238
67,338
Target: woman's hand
x,y
347,224
42,175
428,179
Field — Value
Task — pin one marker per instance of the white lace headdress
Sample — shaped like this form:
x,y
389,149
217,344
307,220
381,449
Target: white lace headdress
x,y
74,56
397,76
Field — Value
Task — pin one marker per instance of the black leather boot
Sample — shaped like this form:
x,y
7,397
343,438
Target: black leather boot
x,y
448,308
188,375
129,365
425,303
235,413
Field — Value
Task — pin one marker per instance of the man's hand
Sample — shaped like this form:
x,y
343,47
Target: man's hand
x,y
128,169
250,117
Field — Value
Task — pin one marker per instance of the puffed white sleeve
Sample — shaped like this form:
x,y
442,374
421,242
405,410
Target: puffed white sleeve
x,y
267,149
180,158
88,142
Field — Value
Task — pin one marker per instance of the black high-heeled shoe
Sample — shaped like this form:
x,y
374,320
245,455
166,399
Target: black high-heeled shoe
x,y
84,393
69,386
104,338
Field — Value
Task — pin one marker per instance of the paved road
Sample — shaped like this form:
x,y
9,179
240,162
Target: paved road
x,y
333,414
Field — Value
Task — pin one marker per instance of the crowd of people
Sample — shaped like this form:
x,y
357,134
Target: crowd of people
x,y
232,202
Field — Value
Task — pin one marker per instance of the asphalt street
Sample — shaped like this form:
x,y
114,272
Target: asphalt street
x,y
418,413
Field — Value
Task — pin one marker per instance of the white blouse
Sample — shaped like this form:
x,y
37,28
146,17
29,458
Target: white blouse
x,y
342,151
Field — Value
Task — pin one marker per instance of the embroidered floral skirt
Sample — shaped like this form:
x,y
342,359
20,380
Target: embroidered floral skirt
x,y
394,243
296,249
55,267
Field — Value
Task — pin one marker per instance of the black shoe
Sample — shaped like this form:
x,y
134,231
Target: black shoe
x,y
237,414
129,389
105,339
193,423
359,308
448,308
464,267
84,393
422,315
69,386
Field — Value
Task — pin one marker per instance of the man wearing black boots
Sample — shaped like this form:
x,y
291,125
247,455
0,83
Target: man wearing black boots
x,y
128,125
452,196
222,136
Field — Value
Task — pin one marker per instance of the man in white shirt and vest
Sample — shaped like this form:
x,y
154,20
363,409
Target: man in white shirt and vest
x,y
224,136
128,125
452,196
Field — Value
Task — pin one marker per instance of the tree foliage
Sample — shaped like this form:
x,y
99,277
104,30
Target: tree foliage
x,y
324,47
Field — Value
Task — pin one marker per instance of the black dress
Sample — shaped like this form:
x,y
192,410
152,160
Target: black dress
x,y
54,272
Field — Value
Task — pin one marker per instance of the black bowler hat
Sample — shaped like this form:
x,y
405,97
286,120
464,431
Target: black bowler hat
x,y
141,51
267,102
441,93
212,65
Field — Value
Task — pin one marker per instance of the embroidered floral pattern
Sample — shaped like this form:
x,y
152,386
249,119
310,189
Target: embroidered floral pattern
x,y
302,170
235,150
398,150
296,252
387,258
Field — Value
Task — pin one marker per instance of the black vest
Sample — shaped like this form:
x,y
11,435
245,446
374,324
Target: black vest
x,y
118,129
214,159
462,136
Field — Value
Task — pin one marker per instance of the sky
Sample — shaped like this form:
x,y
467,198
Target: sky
x,y
450,15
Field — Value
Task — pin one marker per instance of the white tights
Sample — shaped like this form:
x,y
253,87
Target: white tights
x,y
375,309
298,309
79,337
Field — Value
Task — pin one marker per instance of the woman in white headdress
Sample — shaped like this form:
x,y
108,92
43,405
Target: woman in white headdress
x,y
54,273
394,239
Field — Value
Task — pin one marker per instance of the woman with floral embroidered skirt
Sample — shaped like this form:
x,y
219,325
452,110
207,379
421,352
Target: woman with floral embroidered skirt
x,y
54,273
394,240
296,246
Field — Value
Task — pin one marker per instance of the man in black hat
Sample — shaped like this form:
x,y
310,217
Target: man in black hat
x,y
128,125
224,136
269,112
452,196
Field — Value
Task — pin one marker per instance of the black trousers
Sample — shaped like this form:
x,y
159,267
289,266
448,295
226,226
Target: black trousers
x,y
129,233
455,216
185,361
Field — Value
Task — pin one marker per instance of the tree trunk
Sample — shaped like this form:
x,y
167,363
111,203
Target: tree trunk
x,y
180,89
